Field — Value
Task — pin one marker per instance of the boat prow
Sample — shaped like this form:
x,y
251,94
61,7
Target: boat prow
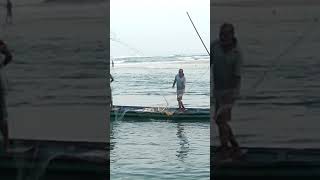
x,y
51,160
159,113
267,162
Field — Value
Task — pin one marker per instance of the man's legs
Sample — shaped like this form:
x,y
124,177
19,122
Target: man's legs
x,y
225,130
5,133
181,106
223,136
181,103
111,101
227,136
228,114
232,138
220,121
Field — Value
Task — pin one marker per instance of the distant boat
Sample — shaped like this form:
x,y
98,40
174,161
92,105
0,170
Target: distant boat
x,y
140,113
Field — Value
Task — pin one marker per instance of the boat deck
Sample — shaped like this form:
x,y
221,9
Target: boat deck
x,y
128,113
54,160
271,162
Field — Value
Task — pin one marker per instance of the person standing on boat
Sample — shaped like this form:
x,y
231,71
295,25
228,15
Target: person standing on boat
x,y
5,59
181,84
111,103
9,12
226,61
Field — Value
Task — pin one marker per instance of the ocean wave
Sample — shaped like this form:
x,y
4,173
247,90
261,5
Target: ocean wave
x,y
73,1
266,3
159,59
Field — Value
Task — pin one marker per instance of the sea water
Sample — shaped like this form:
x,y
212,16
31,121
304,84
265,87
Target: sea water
x,y
160,149
280,52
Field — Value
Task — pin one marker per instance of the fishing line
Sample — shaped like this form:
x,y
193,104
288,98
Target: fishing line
x,y
167,103
283,53
276,60
202,44
192,84
4,76
115,39
141,54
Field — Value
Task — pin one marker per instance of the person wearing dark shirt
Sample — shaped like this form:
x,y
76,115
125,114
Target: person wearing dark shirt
x,y
226,61
5,59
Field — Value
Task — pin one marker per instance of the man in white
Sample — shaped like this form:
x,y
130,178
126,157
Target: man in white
x,y
181,84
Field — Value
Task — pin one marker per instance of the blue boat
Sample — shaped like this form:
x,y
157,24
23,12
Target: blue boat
x,y
52,160
267,162
128,113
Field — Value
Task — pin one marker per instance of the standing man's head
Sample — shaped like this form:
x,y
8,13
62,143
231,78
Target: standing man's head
x,y
227,35
181,74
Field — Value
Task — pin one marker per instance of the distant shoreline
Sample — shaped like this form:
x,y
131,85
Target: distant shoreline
x,y
73,1
267,3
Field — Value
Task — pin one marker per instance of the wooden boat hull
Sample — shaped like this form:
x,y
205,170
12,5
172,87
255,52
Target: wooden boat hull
x,y
268,162
31,159
128,113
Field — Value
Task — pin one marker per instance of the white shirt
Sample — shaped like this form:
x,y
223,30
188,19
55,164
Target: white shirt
x,y
181,82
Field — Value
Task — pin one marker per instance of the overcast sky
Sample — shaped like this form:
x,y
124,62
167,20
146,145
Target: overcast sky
x,y
158,27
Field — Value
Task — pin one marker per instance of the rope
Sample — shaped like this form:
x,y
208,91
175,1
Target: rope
x,y
283,53
262,78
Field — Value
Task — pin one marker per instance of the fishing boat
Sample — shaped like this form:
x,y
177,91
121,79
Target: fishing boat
x,y
268,162
128,113
52,160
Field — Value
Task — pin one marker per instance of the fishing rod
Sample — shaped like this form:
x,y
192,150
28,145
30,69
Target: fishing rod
x,y
201,41
202,44
198,34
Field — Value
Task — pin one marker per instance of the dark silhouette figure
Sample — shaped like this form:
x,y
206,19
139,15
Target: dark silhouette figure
x,y
9,12
226,60
111,102
3,108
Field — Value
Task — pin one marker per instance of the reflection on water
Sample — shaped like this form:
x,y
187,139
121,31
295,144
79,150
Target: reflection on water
x,y
182,153
159,150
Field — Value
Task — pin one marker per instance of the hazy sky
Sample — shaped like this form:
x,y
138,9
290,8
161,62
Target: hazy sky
x,y
158,27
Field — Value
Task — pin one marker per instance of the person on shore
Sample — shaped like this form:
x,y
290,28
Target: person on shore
x,y
180,80
5,59
226,59
9,12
